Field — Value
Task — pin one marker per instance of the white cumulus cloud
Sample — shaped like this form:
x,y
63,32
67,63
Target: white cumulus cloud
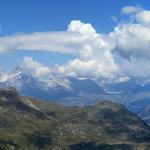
x,y
91,49
35,68
123,52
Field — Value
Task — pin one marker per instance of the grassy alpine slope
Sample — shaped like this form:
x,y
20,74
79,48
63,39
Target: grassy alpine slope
x,y
30,124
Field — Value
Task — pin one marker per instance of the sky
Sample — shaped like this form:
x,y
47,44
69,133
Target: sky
x,y
54,15
76,37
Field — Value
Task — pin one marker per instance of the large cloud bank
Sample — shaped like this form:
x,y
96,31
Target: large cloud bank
x,y
123,52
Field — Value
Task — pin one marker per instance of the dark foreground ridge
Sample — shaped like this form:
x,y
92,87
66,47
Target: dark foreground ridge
x,y
29,124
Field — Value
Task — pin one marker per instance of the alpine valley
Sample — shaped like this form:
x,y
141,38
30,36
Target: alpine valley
x,y
31,124
74,75
133,93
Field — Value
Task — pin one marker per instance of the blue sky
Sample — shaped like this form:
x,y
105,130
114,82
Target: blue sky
x,y
43,15
28,16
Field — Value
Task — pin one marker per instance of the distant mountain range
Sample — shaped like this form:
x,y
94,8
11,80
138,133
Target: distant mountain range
x,y
134,93
30,124
53,89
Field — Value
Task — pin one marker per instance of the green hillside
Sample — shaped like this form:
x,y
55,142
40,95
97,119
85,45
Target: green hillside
x,y
29,124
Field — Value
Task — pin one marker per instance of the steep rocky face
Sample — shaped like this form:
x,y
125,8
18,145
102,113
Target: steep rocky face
x,y
26,123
